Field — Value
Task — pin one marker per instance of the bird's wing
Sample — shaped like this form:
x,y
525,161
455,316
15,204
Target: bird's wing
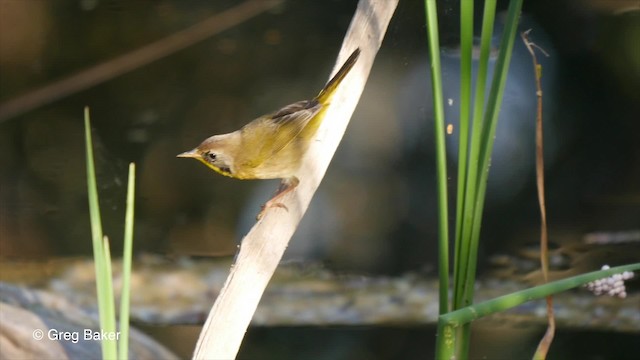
x,y
279,129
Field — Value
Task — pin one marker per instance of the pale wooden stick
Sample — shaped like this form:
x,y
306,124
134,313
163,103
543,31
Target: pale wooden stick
x,y
263,247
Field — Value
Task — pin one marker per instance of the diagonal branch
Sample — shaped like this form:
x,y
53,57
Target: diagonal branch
x,y
263,247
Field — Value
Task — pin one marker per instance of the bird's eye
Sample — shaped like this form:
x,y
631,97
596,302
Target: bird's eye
x,y
211,156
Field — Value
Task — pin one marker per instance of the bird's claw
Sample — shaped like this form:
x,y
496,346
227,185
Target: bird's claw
x,y
266,206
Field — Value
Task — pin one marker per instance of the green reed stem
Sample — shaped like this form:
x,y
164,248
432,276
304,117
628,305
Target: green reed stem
x,y
441,154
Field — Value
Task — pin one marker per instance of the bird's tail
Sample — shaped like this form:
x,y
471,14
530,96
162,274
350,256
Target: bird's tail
x,y
325,94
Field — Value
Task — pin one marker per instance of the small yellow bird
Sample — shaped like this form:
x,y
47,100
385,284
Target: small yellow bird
x,y
271,146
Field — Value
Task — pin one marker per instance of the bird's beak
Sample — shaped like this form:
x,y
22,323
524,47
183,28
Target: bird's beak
x,y
189,154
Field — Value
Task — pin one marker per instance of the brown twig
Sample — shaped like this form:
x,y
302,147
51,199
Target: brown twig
x,y
134,59
545,342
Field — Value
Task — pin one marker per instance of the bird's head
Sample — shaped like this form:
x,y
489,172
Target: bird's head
x,y
216,152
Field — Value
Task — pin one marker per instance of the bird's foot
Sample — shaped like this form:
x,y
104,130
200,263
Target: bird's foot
x,y
268,205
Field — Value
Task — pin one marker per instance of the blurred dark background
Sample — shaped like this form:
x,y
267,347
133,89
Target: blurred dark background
x,y
375,210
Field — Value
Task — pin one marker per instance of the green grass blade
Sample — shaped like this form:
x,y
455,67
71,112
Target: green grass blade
x,y
485,142
467,261
448,323
92,191
441,156
491,120
461,260
104,295
109,327
506,302
475,188
123,344
466,47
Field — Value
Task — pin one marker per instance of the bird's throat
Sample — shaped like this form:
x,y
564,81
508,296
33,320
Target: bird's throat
x,y
221,171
